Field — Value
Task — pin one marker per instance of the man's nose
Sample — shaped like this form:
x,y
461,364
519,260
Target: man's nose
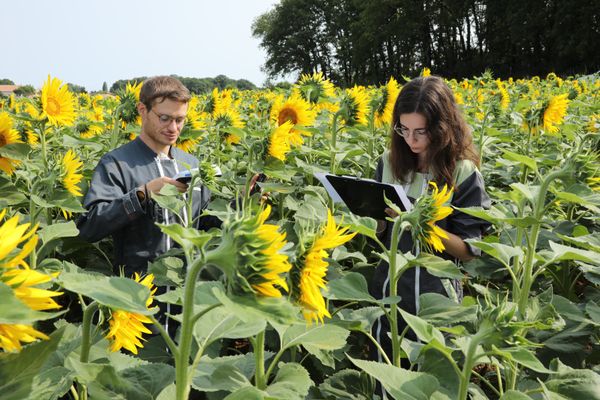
x,y
173,126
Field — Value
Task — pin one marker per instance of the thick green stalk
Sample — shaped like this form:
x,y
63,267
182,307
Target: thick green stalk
x,y
259,355
182,376
333,143
539,208
481,137
471,358
86,339
397,231
45,163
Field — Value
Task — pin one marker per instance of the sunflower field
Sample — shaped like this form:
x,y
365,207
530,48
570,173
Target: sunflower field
x,y
274,304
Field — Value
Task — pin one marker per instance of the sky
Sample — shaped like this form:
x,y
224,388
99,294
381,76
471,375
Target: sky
x,y
88,42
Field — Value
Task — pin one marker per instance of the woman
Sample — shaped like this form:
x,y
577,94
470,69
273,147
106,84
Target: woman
x,y
430,141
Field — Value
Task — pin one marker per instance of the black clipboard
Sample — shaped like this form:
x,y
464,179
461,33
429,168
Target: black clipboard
x,y
365,197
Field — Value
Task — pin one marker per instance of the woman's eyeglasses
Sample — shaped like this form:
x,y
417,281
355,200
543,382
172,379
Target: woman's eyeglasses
x,y
165,119
418,134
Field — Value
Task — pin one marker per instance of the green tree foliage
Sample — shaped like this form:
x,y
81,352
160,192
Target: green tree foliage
x,y
367,41
5,81
76,88
196,85
104,86
26,90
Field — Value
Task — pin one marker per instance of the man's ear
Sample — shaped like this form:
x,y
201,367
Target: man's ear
x,y
141,108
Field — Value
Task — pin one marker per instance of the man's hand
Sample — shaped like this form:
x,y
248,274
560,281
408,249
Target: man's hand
x,y
155,185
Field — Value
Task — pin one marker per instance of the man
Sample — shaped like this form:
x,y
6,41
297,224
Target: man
x,y
119,200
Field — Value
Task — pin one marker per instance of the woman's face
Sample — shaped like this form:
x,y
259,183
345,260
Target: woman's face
x,y
413,128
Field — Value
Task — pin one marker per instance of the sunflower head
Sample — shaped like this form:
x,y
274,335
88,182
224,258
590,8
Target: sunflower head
x,y
58,103
554,113
8,135
280,141
129,98
126,328
382,102
309,270
251,255
428,210
15,273
71,176
426,72
354,106
294,109
314,87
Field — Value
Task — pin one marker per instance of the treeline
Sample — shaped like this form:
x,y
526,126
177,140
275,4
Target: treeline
x,y
196,85
367,41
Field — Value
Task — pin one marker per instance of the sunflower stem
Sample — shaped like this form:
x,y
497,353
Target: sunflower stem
x,y
182,376
170,343
397,232
333,143
88,313
538,213
259,355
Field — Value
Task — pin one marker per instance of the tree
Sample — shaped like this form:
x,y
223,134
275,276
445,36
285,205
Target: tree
x,y
6,82
367,41
104,86
76,88
26,90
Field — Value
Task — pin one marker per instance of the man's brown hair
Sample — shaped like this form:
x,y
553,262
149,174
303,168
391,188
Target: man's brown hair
x,y
159,88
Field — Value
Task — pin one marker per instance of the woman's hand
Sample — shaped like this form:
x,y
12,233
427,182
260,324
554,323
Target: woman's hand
x,y
391,213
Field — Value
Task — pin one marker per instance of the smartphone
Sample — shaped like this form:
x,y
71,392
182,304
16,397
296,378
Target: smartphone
x,y
185,176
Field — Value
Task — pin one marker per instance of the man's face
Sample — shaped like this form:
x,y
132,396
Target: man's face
x,y
162,124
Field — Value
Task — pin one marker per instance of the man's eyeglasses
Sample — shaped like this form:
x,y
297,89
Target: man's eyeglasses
x,y
418,134
165,119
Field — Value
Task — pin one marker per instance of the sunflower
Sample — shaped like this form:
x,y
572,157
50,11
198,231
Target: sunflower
x,y
354,106
280,141
427,212
86,127
250,255
426,72
58,103
8,135
273,263
229,117
555,112
31,110
15,273
315,88
23,279
129,98
11,336
219,101
71,166
126,328
503,95
294,109
385,104
12,234
309,272
31,137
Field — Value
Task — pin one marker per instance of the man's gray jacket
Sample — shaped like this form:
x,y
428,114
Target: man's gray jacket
x,y
113,207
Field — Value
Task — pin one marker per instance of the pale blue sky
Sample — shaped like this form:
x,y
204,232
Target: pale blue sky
x,y
87,42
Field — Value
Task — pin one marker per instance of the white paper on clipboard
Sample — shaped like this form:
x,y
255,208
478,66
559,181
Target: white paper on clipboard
x,y
332,192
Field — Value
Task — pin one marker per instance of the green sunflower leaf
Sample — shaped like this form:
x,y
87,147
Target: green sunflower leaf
x,y
113,292
398,382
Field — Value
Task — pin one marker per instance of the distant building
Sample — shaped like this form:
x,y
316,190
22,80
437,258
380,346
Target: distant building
x,y
7,90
